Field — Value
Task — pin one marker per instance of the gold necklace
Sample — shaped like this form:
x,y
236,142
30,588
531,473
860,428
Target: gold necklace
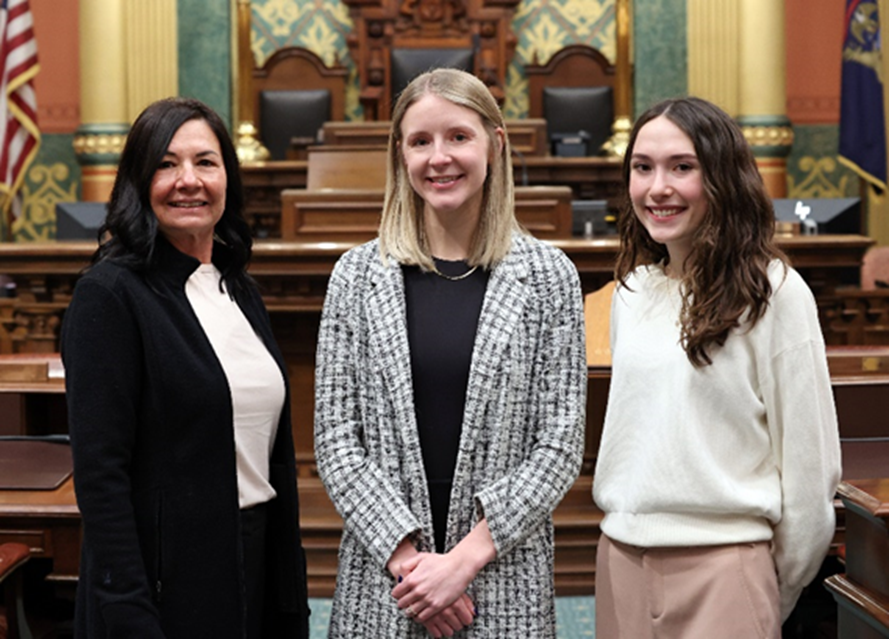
x,y
456,278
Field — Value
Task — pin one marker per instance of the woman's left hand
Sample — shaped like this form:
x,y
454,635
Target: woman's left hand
x,y
432,582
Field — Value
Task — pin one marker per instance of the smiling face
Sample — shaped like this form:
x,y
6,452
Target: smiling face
x,y
188,189
446,151
667,187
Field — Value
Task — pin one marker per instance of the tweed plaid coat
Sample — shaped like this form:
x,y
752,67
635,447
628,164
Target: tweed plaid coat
x,y
520,449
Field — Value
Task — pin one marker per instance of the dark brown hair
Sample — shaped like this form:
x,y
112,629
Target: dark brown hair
x,y
726,273
130,230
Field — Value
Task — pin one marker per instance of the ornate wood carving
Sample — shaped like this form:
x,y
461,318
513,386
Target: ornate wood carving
x,y
383,25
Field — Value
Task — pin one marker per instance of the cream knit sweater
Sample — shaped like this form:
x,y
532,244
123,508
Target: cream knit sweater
x,y
746,449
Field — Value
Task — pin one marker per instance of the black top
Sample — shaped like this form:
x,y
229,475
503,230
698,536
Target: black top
x,y
442,318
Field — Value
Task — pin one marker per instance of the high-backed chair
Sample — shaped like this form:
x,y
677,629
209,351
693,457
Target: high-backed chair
x,y
409,63
392,41
574,92
295,93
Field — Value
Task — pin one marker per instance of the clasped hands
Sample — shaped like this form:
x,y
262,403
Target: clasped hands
x,y
431,590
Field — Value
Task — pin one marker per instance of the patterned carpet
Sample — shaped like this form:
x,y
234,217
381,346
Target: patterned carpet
x,y
574,617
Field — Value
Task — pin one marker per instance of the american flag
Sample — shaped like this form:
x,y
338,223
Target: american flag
x,y
19,135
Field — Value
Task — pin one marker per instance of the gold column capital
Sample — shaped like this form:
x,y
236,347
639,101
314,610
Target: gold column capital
x,y
759,136
91,144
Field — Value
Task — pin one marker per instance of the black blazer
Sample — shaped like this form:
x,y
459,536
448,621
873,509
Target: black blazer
x,y
150,418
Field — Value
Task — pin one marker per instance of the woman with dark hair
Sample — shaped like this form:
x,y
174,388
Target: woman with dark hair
x,y
449,391
720,454
178,404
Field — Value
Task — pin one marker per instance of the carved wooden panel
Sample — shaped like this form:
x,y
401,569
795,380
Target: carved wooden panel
x,y
527,136
380,26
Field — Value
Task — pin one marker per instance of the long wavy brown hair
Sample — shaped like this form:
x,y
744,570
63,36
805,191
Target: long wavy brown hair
x,y
725,279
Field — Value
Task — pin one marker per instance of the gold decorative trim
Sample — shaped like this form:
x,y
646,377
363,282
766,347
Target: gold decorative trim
x,y
768,135
103,143
248,146
617,144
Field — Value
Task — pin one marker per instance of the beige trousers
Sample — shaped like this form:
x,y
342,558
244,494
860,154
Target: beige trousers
x,y
702,592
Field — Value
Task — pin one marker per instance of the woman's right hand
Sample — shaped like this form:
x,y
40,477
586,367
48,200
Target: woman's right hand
x,y
455,617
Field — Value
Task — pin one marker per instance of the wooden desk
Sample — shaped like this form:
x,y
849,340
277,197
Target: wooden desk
x,y
293,275
860,377
263,183
354,214
862,594
346,167
857,316
32,400
589,178
48,522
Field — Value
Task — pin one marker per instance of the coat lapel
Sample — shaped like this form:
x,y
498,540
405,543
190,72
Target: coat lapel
x,y
501,314
389,347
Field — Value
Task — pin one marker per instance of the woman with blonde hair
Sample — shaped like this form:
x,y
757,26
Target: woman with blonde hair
x,y
450,385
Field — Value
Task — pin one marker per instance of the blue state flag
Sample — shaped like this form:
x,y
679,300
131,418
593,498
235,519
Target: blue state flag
x,y
862,123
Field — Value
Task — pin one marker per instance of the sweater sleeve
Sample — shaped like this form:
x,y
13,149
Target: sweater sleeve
x,y
372,509
805,439
102,354
517,503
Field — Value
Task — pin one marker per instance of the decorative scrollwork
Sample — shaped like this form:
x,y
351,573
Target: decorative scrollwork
x,y
816,182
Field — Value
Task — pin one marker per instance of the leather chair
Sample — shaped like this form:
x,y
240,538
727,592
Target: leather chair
x,y
573,111
409,63
290,119
12,557
574,92
294,93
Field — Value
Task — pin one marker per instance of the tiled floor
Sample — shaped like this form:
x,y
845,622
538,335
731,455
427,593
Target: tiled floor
x,y
574,617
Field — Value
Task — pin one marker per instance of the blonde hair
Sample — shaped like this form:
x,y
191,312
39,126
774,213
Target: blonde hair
x,y
402,232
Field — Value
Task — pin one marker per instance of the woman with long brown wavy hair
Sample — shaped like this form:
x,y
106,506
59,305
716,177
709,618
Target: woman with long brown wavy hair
x,y
720,454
